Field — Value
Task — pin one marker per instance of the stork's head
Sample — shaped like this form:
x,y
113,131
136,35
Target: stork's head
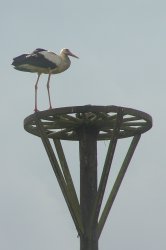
x,y
68,53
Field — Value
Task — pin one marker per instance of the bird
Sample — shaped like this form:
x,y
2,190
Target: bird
x,y
43,61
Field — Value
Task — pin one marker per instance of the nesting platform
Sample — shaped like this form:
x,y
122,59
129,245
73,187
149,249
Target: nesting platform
x,y
63,123
88,124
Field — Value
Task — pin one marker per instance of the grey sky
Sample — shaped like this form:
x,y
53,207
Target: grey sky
x,y
122,50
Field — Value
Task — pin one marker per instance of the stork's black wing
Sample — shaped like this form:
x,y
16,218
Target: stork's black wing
x,y
19,59
35,59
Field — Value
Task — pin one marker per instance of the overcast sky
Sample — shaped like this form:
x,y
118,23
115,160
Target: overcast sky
x,y
122,50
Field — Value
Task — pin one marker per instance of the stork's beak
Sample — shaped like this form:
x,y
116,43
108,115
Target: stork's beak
x,y
71,54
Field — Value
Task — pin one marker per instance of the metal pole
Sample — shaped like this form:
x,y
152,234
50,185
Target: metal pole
x,y
88,185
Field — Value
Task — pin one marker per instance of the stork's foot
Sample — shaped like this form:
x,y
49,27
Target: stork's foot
x,y
36,110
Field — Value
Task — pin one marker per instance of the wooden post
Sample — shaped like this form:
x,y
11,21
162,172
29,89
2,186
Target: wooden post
x,y
88,185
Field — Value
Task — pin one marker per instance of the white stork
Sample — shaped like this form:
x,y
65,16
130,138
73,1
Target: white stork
x,y
42,61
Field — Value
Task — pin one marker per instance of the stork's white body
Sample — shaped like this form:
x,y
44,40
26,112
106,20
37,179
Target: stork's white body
x,y
61,62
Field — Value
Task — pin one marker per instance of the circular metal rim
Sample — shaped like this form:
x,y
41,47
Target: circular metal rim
x,y
30,120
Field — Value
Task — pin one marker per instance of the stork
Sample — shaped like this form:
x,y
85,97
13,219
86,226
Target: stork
x,y
42,61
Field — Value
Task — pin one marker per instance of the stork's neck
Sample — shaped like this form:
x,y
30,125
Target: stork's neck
x,y
65,63
65,58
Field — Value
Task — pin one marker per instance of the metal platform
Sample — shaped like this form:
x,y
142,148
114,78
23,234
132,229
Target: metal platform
x,y
63,123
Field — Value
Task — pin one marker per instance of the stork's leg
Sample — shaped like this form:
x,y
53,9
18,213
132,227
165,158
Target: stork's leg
x,y
48,89
36,86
